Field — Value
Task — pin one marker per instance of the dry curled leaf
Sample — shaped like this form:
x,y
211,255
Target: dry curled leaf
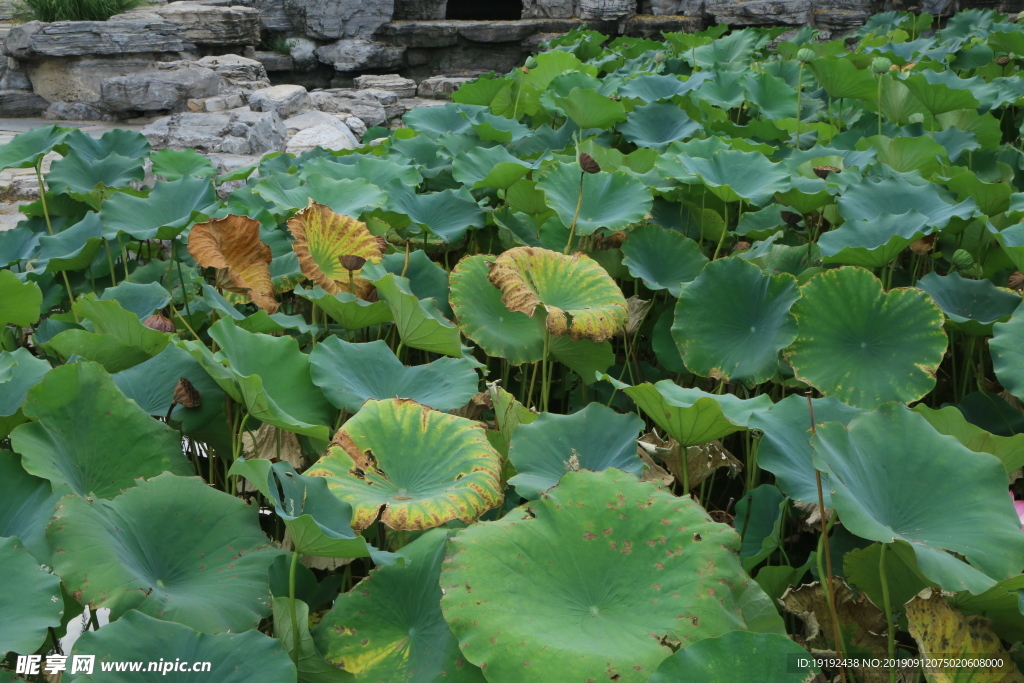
x,y
1016,281
322,238
923,245
701,460
159,323
233,243
187,395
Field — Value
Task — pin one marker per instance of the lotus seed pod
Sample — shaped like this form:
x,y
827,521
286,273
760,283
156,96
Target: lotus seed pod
x,y
588,164
962,259
806,54
975,271
1003,61
916,117
159,323
659,57
790,217
187,395
351,262
1016,281
880,65
823,171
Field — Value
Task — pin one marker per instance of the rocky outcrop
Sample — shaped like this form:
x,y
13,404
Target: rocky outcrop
x,y
367,109
206,24
273,61
334,19
17,103
753,12
166,88
273,15
360,55
36,39
80,79
402,87
239,131
441,87
237,74
285,100
420,9
68,111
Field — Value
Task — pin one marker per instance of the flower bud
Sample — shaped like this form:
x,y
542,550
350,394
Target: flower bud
x,y
962,259
916,117
806,54
880,65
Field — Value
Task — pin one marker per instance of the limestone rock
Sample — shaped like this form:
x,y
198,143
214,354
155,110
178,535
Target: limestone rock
x,y
69,111
286,100
80,79
368,110
309,119
76,38
237,73
334,19
402,87
420,9
15,76
760,12
842,15
499,31
272,61
421,34
166,88
19,103
355,125
604,10
205,24
273,15
239,131
303,51
360,55
550,8
328,136
441,87
652,26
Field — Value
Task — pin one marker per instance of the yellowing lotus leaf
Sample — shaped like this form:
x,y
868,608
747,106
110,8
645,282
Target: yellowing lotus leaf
x,y
414,466
580,298
233,244
322,237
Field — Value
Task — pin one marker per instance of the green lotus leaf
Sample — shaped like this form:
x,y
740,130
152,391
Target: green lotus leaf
x,y
841,79
73,174
729,53
869,199
595,438
610,200
19,371
448,118
971,306
171,547
344,197
722,90
657,124
655,87
785,446
580,298
420,324
168,210
268,375
950,421
424,153
759,523
174,164
1012,241
483,167
312,667
447,214
731,322
347,310
375,171
26,504
607,589
584,357
317,522
73,248
691,416
350,374
120,340
873,243
259,322
87,435
885,499
26,149
904,579
733,175
19,243
715,660
151,385
937,96
141,299
1008,353
32,605
590,109
249,657
19,301
1000,605
991,198
863,345
413,467
774,98
389,627
127,143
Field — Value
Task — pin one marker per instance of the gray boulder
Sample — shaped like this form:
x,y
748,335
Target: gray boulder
x,y
205,24
607,10
20,103
273,15
759,12
239,131
71,111
554,9
441,87
420,34
285,100
237,74
420,9
80,79
76,38
334,19
303,51
15,77
366,109
402,87
166,88
272,61
360,55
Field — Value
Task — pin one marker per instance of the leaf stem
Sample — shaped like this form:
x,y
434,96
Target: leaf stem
x,y
888,611
291,608
575,216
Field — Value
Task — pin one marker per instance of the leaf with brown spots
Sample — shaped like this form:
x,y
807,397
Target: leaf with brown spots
x,y
233,243
323,238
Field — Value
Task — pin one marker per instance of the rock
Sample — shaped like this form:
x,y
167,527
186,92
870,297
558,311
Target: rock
x,y
412,102
389,100
309,119
327,136
420,34
360,55
402,87
76,38
842,15
369,111
659,7
303,53
499,31
759,12
283,99
648,26
80,79
441,87
356,125
70,111
237,73
15,77
206,24
334,19
420,9
215,104
550,8
20,103
166,88
273,15
239,131
605,10
272,61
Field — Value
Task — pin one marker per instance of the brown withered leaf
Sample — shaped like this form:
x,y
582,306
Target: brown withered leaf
x,y
187,395
1016,281
273,444
159,323
475,406
233,243
322,238
702,460
923,245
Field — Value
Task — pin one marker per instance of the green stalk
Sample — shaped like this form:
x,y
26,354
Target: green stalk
x,y
181,278
799,92
575,216
291,608
49,229
545,389
110,262
880,104
888,611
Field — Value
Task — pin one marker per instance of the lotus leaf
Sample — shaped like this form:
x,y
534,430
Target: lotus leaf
x,y
609,200
26,149
419,322
173,164
863,345
234,243
347,310
120,340
321,238
716,660
971,306
414,467
676,580
33,605
1007,354
19,301
168,210
733,175
19,371
141,299
657,124
663,259
873,243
